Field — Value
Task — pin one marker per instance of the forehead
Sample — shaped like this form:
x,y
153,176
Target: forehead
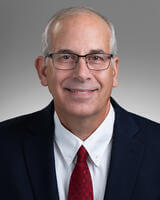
x,y
80,31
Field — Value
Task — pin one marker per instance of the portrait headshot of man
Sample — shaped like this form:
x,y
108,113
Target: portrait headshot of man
x,y
83,145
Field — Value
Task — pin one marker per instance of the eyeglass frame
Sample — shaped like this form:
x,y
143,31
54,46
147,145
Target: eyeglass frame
x,y
51,55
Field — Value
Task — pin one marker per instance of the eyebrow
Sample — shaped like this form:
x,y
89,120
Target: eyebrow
x,y
71,51
65,51
97,51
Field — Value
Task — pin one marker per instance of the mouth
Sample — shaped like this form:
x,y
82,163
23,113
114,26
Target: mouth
x,y
81,92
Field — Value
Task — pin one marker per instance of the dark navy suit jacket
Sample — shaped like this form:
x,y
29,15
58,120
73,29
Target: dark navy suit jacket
x,y
27,165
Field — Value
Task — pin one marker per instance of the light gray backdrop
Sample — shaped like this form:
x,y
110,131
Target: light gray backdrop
x,y
138,32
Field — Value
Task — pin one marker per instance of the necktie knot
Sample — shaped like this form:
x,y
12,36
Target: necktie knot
x,y
82,154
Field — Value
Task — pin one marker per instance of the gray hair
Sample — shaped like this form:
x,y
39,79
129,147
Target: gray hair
x,y
71,11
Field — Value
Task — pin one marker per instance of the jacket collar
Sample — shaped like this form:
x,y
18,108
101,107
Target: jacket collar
x,y
42,123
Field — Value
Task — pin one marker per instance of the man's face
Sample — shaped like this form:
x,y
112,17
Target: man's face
x,y
81,92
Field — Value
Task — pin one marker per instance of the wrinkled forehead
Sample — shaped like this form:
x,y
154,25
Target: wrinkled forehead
x,y
81,26
81,33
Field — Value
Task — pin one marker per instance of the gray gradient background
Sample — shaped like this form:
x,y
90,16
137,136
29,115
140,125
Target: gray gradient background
x,y
138,32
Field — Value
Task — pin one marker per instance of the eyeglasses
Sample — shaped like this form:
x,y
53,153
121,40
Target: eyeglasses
x,y
68,61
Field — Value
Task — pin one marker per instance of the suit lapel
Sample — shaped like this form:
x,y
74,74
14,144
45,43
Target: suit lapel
x,y
39,156
126,155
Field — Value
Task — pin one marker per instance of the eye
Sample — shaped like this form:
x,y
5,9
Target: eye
x,y
66,57
96,58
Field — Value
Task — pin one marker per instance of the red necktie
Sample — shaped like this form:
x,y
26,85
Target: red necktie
x,y
80,187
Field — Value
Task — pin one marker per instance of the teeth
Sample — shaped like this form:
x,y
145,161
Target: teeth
x,y
78,91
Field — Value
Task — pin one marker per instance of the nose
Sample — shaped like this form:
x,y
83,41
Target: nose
x,y
81,71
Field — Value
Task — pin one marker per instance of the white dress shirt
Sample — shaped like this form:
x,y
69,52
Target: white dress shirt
x,y
98,145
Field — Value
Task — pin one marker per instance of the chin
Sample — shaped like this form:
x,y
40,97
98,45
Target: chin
x,y
82,111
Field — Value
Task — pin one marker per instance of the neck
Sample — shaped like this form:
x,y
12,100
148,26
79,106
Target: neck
x,y
83,127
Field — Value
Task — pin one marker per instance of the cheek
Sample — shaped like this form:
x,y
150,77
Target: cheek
x,y
105,78
55,79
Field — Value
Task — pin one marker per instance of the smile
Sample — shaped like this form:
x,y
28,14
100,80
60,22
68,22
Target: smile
x,y
81,92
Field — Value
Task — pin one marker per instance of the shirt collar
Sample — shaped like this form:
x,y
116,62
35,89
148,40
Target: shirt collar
x,y
95,144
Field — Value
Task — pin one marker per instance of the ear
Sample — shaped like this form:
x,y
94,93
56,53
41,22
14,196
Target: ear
x,y
41,70
115,71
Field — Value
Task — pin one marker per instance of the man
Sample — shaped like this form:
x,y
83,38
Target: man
x,y
83,145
